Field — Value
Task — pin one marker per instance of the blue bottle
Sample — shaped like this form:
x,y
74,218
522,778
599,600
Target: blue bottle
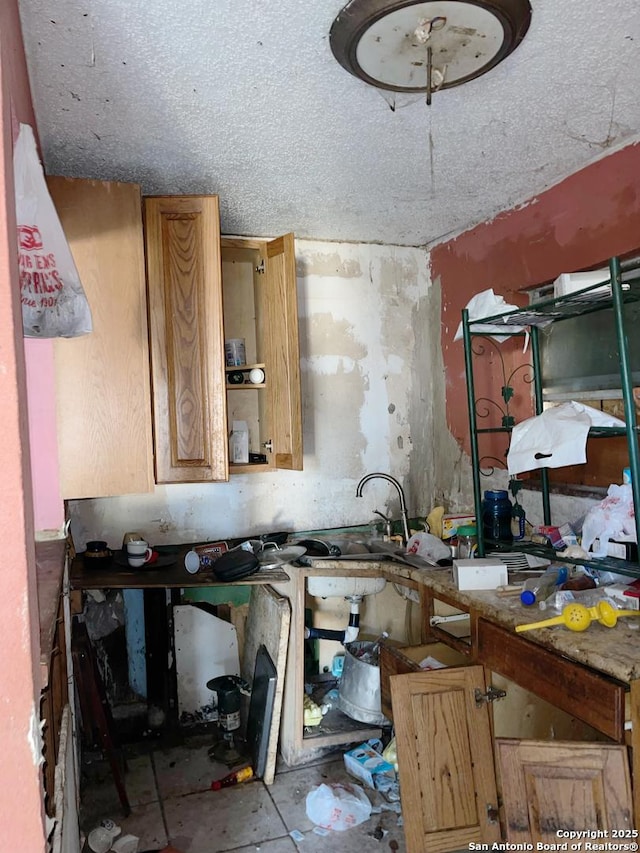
x,y
496,517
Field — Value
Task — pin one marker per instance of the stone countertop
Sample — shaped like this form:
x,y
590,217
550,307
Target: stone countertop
x,y
613,651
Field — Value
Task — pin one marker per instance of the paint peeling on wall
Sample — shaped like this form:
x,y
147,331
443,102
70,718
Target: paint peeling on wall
x,y
367,326
328,264
34,737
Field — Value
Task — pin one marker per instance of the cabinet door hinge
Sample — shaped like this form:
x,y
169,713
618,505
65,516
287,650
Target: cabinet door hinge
x,y
260,269
491,695
268,445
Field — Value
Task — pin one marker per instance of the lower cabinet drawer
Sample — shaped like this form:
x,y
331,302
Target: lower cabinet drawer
x,y
591,697
399,660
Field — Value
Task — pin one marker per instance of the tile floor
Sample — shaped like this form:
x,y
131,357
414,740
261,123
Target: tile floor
x,y
171,800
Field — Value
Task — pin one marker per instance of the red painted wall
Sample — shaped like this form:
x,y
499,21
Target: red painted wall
x,y
577,224
21,812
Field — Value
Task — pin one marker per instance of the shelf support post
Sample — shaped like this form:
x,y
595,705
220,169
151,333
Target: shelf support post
x,y
473,431
537,386
627,386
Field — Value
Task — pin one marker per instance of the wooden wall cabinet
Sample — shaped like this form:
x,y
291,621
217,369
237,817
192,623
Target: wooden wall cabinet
x,y
102,379
187,344
203,289
260,306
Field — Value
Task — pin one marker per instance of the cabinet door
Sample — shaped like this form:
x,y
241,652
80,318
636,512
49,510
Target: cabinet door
x,y
187,348
563,785
445,760
284,352
102,379
261,308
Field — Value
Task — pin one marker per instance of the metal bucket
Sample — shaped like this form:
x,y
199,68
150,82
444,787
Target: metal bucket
x,y
359,690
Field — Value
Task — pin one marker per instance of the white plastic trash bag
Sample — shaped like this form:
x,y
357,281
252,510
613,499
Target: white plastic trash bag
x,y
556,438
337,806
428,547
613,517
54,304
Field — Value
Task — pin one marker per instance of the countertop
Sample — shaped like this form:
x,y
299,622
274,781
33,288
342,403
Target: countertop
x,y
613,651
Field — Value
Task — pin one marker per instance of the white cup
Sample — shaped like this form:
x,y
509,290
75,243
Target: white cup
x,y
192,562
138,552
100,840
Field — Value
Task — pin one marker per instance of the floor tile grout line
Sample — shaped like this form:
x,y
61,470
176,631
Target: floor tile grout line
x,y
281,816
160,799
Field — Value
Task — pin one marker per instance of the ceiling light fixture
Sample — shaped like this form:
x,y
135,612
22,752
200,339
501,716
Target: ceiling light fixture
x,y
409,46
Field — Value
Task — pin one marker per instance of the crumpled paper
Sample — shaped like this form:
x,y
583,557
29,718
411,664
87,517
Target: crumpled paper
x,y
556,438
488,304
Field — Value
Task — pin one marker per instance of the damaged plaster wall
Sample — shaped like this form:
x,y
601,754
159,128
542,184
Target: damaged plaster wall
x,y
369,329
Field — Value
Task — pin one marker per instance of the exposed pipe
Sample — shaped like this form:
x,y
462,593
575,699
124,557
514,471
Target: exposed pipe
x,y
349,634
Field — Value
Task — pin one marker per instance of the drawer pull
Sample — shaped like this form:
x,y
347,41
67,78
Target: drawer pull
x,y
491,695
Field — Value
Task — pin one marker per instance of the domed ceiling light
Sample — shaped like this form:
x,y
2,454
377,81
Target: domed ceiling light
x,y
408,46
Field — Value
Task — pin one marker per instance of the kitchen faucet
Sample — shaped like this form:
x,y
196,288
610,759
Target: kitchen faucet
x,y
403,503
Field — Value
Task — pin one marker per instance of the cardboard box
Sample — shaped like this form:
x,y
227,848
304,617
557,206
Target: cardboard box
x,y
483,573
364,763
451,522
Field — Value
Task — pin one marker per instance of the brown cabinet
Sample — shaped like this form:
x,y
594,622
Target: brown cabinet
x,y
102,379
185,323
261,307
203,289
444,729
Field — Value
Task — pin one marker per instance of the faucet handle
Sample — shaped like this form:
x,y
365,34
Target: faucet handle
x,y
387,523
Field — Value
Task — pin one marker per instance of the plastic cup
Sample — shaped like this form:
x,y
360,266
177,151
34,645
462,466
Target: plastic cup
x,y
192,562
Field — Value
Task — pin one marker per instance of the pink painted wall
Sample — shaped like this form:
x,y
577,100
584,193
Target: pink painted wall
x,y
21,808
577,224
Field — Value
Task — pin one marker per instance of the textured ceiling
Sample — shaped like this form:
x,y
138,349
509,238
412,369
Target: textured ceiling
x,y
245,99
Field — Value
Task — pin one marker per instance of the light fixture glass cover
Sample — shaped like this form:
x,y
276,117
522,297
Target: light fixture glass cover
x,y
386,43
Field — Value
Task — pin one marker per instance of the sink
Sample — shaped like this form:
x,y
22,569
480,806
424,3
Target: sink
x,y
345,586
342,587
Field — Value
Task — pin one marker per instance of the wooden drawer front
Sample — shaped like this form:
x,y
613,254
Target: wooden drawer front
x,y
576,689
399,661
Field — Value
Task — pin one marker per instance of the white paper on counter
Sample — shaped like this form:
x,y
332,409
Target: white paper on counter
x,y
488,304
556,438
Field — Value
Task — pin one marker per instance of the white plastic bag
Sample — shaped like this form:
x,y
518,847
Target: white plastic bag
x,y
609,519
336,806
556,438
429,547
54,304
489,304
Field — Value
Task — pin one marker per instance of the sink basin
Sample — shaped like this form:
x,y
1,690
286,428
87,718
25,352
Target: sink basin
x,y
343,587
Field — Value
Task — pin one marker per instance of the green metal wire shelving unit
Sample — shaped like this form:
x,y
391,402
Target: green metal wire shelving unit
x,y
535,317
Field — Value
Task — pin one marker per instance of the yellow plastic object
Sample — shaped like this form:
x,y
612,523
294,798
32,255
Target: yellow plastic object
x,y
312,712
434,521
577,617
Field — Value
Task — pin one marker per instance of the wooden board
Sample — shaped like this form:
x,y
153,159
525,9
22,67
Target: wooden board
x,y
268,624
445,760
563,785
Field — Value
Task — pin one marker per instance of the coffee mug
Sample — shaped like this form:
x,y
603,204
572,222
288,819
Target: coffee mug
x,y
138,552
